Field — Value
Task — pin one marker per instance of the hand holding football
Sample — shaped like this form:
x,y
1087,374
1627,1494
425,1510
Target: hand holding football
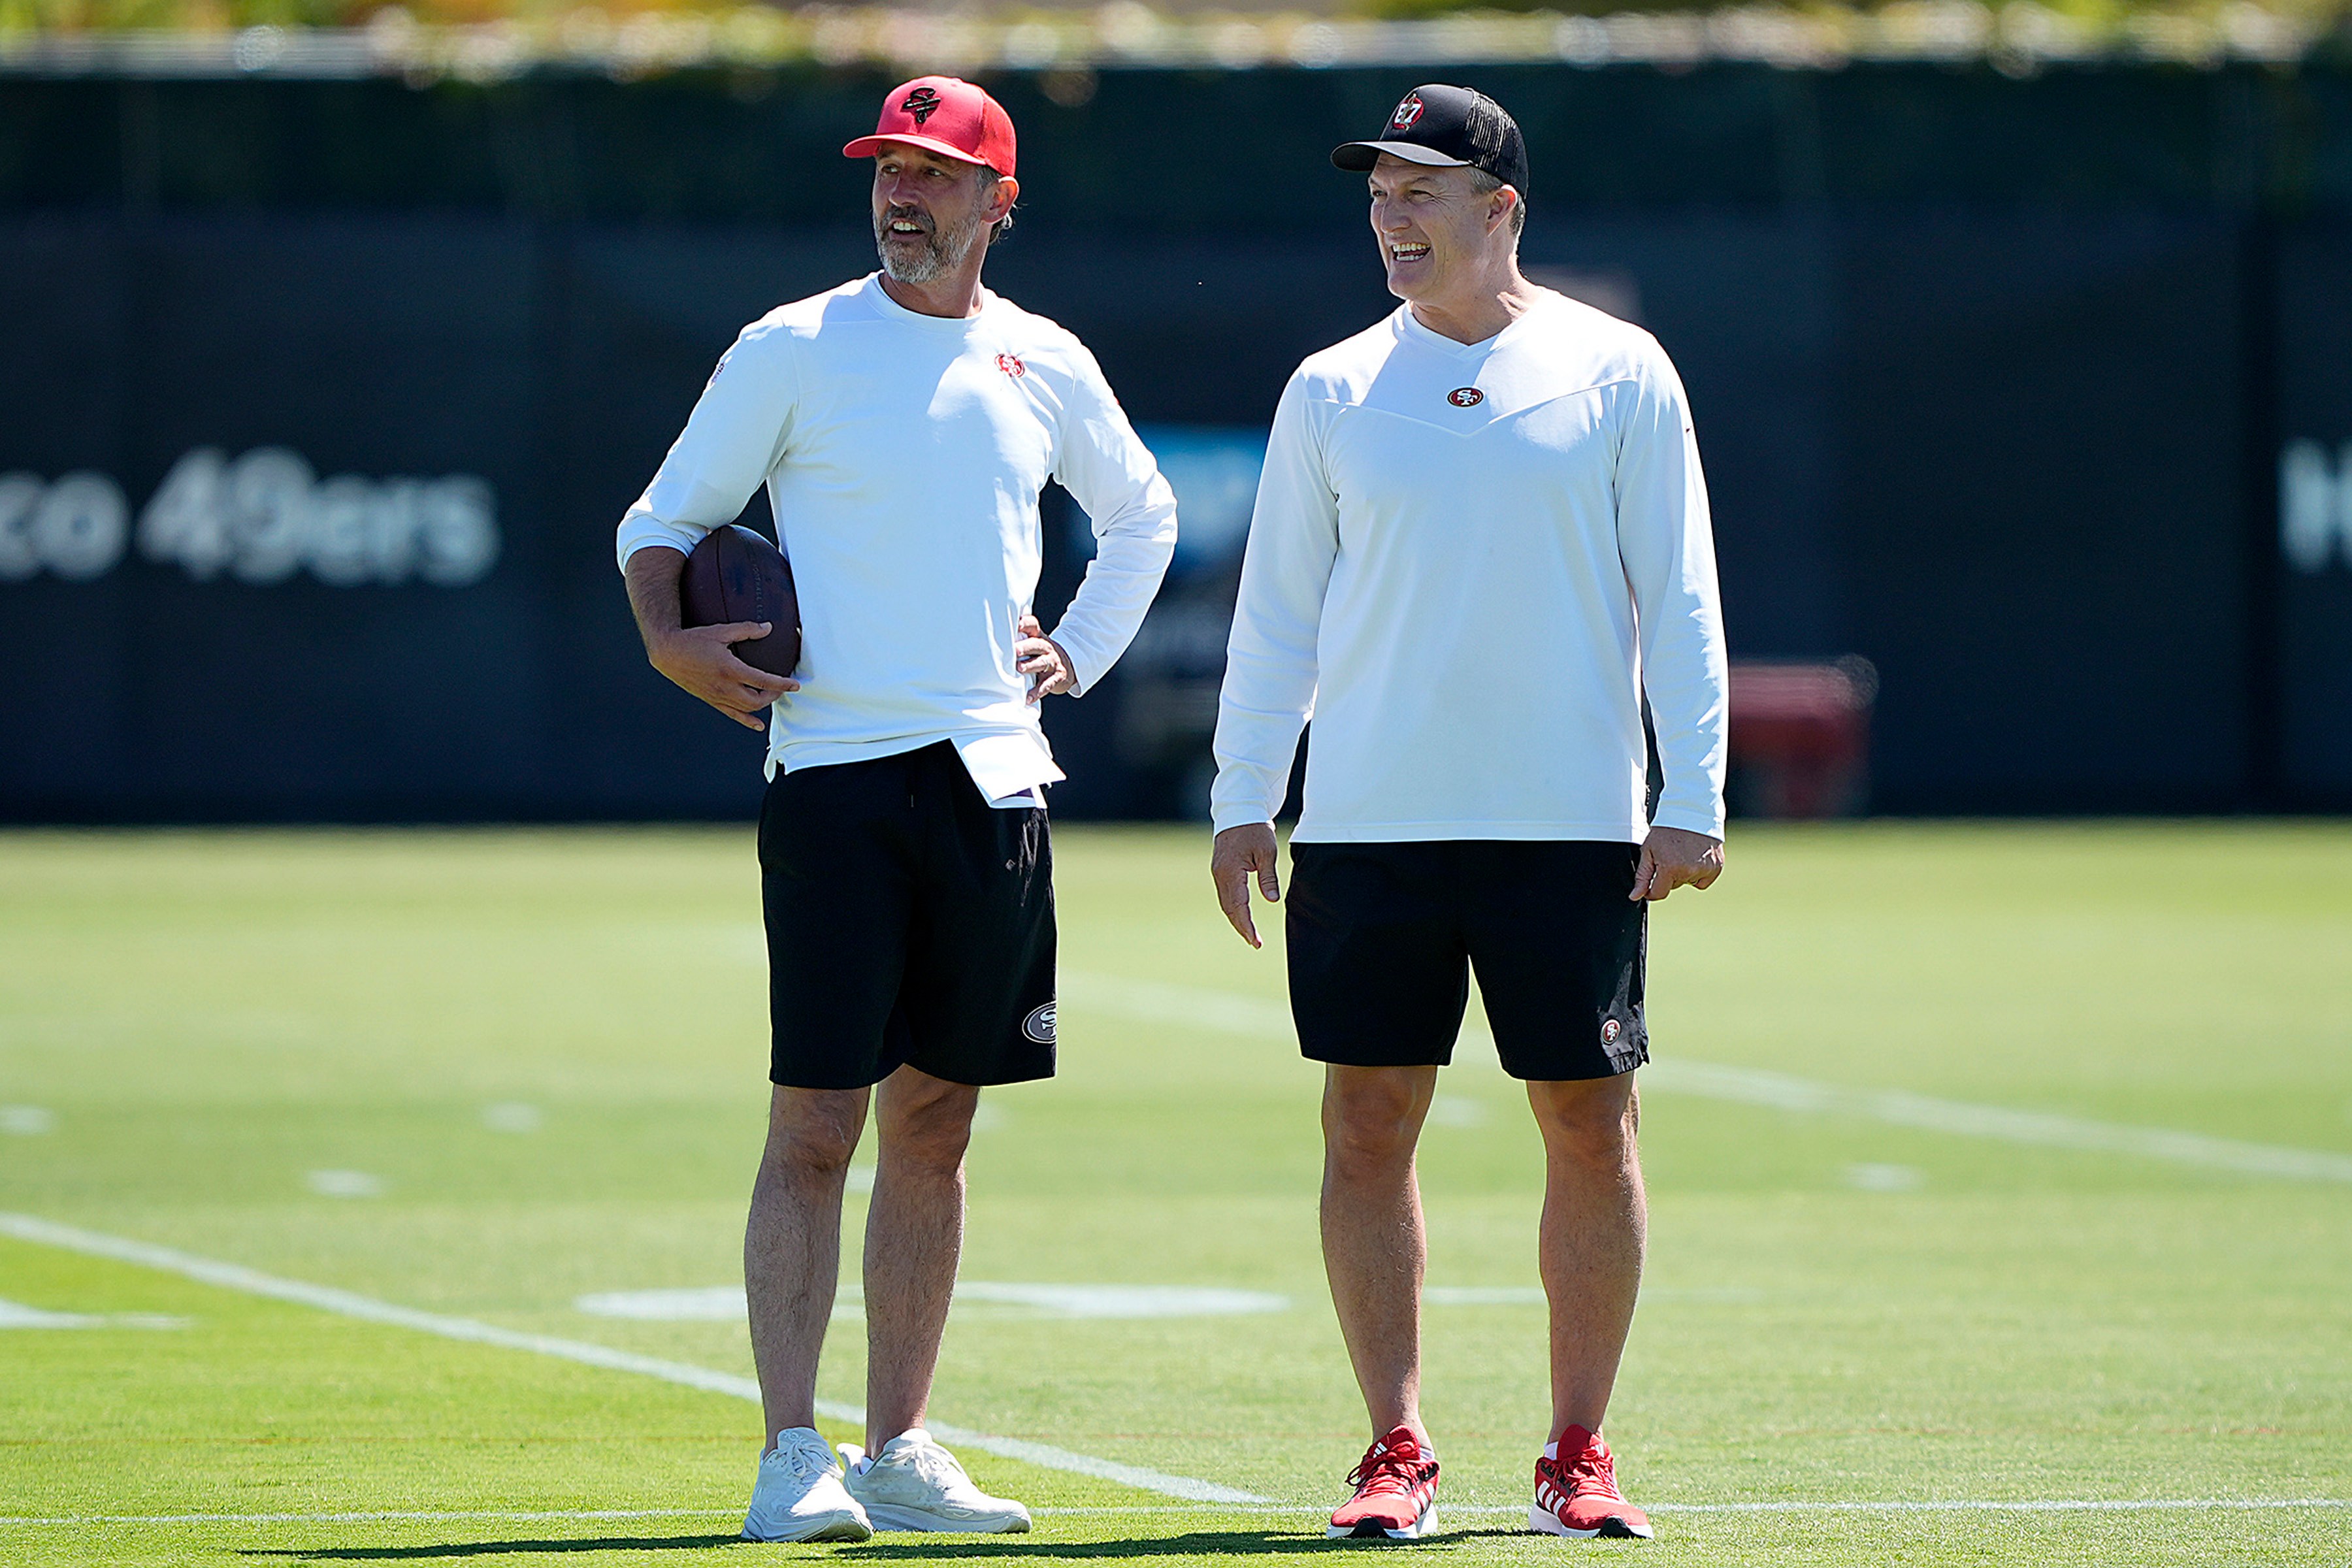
x,y
735,575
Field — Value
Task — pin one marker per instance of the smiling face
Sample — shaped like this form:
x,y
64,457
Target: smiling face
x,y
930,211
1438,231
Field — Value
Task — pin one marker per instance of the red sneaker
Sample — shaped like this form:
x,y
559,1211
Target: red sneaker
x,y
1576,1494
1396,1491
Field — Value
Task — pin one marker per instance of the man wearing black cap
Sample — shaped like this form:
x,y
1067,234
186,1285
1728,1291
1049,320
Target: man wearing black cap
x,y
1481,541
902,425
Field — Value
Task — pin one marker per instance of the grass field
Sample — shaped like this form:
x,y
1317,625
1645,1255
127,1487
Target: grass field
x,y
1917,1239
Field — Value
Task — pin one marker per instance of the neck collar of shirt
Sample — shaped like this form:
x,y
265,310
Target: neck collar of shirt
x,y
1413,329
891,311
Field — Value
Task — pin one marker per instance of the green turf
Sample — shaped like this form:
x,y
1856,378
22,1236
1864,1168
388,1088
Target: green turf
x,y
207,1019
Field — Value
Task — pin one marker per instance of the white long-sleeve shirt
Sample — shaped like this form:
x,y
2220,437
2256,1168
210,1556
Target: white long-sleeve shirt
x,y
1469,561
903,456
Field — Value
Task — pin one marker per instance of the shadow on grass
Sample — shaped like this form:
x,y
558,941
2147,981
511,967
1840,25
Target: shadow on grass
x,y
1195,1543
501,1548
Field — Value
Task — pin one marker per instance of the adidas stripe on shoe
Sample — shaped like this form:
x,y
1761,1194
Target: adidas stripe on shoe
x,y
1577,1495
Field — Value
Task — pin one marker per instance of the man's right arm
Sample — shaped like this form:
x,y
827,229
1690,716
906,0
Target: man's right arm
x,y
700,659
731,442
1270,660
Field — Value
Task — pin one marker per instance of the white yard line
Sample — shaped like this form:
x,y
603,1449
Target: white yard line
x,y
2002,1505
327,1299
509,1516
1994,1505
1228,1013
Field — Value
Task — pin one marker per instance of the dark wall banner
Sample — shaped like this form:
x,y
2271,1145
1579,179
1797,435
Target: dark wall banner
x,y
271,533
310,516
2315,538
2043,453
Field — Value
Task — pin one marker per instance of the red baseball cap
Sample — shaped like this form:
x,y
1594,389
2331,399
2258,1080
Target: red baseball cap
x,y
946,115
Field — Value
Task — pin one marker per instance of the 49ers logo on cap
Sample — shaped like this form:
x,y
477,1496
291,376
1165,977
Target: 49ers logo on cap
x,y
1466,397
1408,113
922,104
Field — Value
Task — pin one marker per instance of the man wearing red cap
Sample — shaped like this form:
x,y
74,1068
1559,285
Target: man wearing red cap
x,y
903,424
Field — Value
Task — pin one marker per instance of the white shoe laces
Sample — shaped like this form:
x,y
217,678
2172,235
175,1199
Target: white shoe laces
x,y
939,1468
809,1463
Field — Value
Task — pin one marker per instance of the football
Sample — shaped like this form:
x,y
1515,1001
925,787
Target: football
x,y
735,575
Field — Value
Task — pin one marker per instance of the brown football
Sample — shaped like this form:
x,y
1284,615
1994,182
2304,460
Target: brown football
x,y
735,575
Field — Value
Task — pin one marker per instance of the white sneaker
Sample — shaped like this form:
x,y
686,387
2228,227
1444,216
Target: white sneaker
x,y
915,1484
799,1495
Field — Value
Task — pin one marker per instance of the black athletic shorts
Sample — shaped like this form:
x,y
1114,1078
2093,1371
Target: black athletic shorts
x,y
1383,939
908,923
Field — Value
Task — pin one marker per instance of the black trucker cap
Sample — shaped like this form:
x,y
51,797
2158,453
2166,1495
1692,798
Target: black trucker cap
x,y
1449,127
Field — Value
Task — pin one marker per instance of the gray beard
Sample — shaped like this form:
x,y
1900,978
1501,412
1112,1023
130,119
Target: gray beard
x,y
941,253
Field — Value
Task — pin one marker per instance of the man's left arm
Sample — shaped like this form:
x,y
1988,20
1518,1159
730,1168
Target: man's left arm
x,y
1113,476
1668,543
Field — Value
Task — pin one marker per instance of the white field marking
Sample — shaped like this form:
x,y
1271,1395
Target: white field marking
x,y
1991,1505
861,1179
386,1518
1456,1110
1233,1014
28,1121
1533,1295
1903,1108
694,1304
717,1303
344,1184
16,1315
326,1298
2014,1505
1125,1300
703,1304
1876,1178
989,1117
512,1116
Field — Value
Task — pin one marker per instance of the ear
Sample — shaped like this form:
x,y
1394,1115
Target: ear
x,y
1499,203
1008,191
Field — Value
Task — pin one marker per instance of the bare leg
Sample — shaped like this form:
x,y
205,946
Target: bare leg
x,y
792,1246
1595,1227
1374,1248
914,1236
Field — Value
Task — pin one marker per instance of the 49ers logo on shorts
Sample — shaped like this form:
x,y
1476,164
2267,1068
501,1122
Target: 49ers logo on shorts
x,y
922,104
1010,365
1408,113
1466,397
1039,1025
1609,1030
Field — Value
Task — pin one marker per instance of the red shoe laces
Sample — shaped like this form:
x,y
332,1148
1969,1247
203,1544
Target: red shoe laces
x,y
1592,1473
1386,1470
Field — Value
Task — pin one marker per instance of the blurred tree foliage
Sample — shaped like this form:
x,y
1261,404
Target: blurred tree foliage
x,y
217,15
36,16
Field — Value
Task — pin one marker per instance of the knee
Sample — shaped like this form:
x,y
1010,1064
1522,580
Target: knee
x,y
930,1136
1595,1124
1369,1127
812,1133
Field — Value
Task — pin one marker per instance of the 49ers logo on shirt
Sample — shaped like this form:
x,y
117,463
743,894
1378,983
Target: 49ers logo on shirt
x,y
1408,113
922,104
1010,365
1466,397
